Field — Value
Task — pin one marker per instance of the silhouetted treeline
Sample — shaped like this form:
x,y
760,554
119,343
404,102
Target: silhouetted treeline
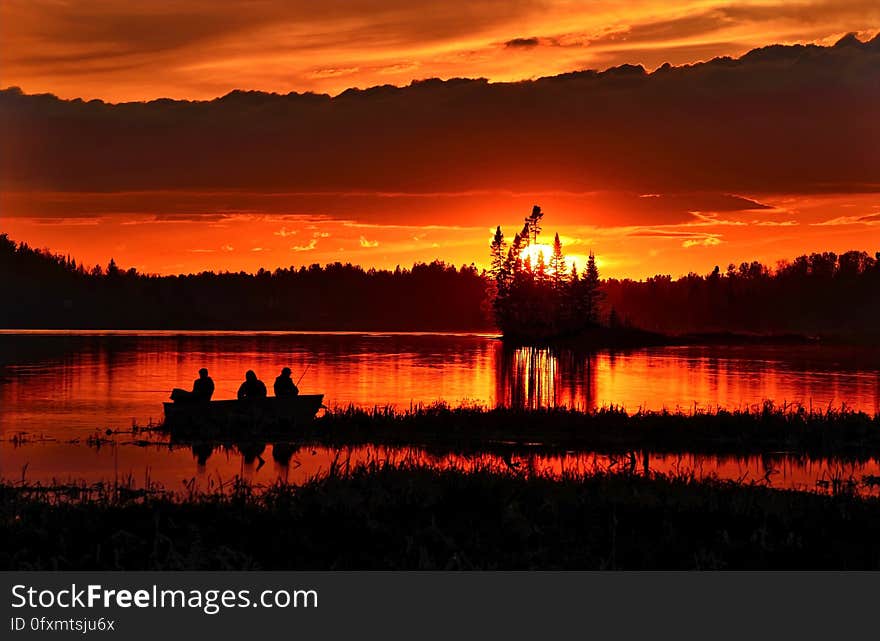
x,y
541,300
822,294
44,290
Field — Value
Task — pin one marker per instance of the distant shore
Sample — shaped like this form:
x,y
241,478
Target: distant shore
x,y
624,338
602,338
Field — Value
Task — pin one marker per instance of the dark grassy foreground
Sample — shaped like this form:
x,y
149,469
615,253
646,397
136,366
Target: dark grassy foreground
x,y
387,517
838,433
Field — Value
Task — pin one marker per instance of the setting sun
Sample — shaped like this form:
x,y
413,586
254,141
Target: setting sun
x,y
578,260
532,252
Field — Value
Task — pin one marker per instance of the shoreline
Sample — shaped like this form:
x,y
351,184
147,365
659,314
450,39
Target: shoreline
x,y
623,339
794,429
409,517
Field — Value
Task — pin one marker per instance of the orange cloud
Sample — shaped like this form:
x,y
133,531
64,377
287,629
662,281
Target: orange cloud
x,y
629,250
708,241
118,50
631,164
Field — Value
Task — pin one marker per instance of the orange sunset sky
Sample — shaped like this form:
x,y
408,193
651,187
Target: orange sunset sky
x,y
757,156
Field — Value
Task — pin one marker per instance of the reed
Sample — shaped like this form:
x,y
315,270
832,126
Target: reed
x,y
837,432
406,516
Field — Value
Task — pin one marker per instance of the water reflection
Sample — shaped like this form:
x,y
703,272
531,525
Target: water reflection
x,y
685,377
61,390
207,467
56,384
531,377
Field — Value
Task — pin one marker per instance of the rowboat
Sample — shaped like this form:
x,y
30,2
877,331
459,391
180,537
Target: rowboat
x,y
265,414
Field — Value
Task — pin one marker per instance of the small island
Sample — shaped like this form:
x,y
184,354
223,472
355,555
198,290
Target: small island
x,y
538,295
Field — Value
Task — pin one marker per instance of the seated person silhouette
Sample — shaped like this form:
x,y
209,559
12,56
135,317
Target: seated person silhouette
x,y
252,388
203,386
203,389
284,385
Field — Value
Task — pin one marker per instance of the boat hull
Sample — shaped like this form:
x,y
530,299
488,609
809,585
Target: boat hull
x,y
266,414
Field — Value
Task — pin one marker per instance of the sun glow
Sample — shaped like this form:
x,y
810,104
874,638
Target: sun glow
x,y
571,260
532,252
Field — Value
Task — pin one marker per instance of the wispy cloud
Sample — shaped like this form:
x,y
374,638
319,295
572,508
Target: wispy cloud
x,y
304,248
709,241
523,43
711,220
202,250
359,225
663,233
368,243
177,219
334,72
688,238
68,222
775,223
870,219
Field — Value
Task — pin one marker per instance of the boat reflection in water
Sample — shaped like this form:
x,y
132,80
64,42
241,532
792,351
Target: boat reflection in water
x,y
251,451
213,465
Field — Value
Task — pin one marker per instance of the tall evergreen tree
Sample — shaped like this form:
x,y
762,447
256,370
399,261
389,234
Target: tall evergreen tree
x,y
526,234
514,258
557,265
533,223
613,319
571,301
541,276
590,293
498,258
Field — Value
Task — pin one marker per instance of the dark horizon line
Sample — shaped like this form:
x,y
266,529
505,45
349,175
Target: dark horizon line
x,y
850,39
51,253
481,271
61,331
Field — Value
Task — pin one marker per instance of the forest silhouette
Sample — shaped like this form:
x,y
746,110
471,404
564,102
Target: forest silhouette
x,y
45,290
539,298
822,294
545,299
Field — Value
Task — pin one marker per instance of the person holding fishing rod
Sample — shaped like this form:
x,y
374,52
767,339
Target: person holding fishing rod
x,y
284,385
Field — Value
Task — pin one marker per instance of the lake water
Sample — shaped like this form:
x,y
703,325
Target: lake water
x,y
58,390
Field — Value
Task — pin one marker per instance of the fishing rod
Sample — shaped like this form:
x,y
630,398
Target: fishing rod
x,y
308,365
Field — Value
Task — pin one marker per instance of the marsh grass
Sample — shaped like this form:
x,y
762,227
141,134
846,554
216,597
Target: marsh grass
x,y
395,516
766,428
